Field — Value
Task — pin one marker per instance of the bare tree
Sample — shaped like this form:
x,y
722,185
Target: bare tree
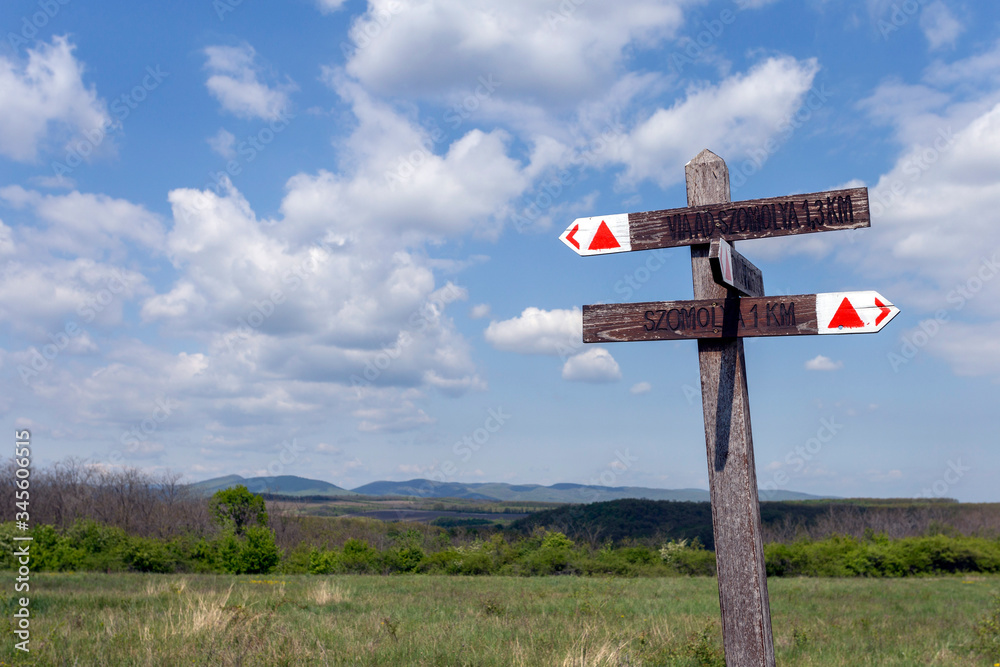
x,y
138,502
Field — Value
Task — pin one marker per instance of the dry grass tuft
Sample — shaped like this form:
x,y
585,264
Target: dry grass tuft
x,y
596,653
326,592
159,586
201,613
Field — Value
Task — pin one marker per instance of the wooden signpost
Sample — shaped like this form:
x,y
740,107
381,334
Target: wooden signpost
x,y
803,314
699,224
729,304
733,269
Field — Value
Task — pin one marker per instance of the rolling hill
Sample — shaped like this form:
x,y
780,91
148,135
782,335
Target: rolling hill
x,y
286,485
292,485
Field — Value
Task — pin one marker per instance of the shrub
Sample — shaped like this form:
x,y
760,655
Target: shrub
x,y
144,554
473,562
444,561
87,545
204,556
297,560
407,559
688,558
358,556
323,562
260,553
988,630
8,531
255,553
555,540
877,556
545,561
696,562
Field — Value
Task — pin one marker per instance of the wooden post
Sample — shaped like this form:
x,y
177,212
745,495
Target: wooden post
x,y
732,478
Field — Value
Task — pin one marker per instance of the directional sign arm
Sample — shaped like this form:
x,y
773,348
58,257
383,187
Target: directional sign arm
x,y
750,219
853,312
733,269
598,235
800,315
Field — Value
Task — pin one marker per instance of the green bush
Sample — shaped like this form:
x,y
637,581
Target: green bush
x,y
8,531
446,561
90,546
556,540
254,553
203,556
359,557
95,538
86,545
689,558
407,559
545,561
260,553
878,556
472,560
637,555
297,561
323,562
987,630
696,562
144,554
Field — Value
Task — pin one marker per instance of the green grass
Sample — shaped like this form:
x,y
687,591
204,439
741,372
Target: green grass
x,y
133,619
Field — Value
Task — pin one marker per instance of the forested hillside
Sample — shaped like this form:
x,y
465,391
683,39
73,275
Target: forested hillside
x,y
651,520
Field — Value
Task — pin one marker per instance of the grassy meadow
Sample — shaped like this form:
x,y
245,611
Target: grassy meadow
x,y
148,619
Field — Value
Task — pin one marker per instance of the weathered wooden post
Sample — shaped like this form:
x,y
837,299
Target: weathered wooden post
x,y
732,478
729,304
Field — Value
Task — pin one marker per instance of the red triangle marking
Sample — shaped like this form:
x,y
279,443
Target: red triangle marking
x,y
885,312
846,316
569,237
604,239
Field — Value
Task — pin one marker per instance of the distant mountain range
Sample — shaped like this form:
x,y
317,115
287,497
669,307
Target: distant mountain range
x,y
291,485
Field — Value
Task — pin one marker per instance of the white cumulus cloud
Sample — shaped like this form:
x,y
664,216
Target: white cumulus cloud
x,y
335,312
537,331
223,143
932,233
395,180
329,6
940,26
45,100
559,53
85,224
479,311
234,80
821,363
740,114
594,365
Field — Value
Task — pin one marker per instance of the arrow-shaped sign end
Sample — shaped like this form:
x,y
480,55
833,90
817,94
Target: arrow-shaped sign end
x,y
569,237
853,312
598,235
886,311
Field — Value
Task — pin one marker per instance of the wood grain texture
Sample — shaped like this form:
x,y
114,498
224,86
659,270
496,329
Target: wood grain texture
x,y
746,614
746,278
703,318
750,219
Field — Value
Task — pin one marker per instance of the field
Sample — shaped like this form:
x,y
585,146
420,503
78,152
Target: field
x,y
143,619
404,509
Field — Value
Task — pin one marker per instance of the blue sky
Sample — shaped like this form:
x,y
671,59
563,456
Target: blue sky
x,y
320,237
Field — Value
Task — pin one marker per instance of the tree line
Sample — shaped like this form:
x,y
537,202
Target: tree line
x,y
90,518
